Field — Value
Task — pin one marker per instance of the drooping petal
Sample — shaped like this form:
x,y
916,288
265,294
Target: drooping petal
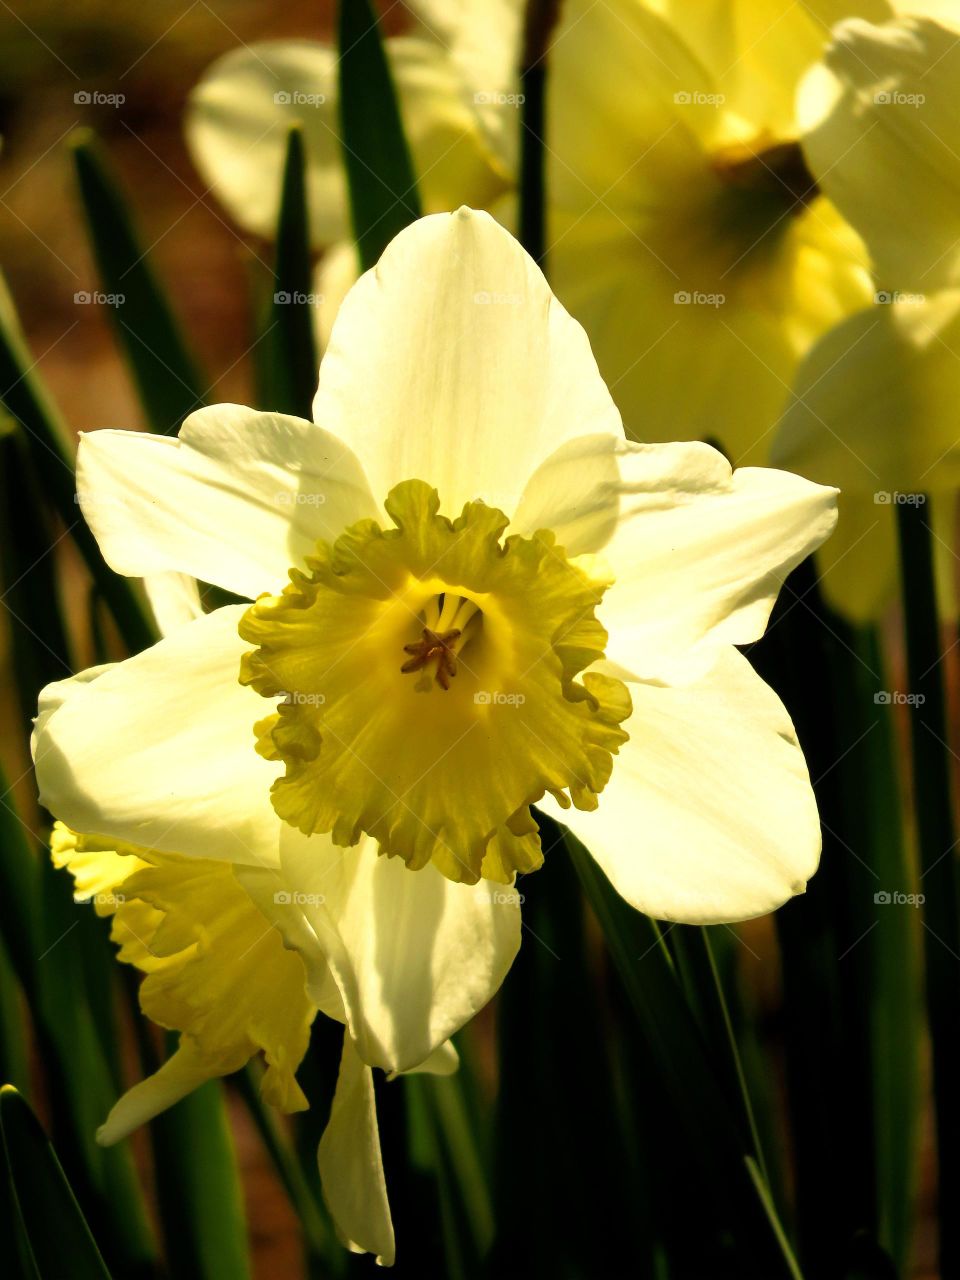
x,y
700,553
882,113
235,500
183,1072
98,872
709,816
444,1061
453,362
216,970
351,1166
415,955
239,115
159,750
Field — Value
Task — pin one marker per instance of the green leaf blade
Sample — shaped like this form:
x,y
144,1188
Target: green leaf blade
x,y
380,173
59,1239
165,374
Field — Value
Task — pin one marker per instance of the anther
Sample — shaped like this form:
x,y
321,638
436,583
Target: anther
x,y
434,646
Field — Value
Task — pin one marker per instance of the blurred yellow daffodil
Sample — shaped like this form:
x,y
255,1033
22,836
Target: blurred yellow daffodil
x,y
684,229
351,756
874,404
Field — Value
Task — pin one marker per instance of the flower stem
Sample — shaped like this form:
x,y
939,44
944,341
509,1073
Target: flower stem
x,y
937,844
541,16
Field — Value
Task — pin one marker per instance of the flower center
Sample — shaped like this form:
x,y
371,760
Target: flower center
x,y
500,628
730,215
449,622
775,173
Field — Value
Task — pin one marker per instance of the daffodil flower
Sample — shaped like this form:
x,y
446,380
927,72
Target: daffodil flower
x,y
218,972
874,404
467,594
685,230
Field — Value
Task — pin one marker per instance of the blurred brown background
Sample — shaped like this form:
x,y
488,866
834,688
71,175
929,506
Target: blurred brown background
x,y
152,54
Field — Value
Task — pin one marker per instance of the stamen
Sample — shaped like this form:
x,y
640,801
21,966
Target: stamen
x,y
451,604
434,647
449,621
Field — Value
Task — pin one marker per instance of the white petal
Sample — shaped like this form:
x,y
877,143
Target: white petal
x,y
235,500
53,696
482,39
700,553
236,123
159,750
709,815
174,599
453,363
351,1167
179,1075
882,113
576,494
334,276
415,955
444,1061
285,910
239,115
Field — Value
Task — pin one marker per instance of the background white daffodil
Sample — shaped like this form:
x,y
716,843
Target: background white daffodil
x,y
874,405
677,174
